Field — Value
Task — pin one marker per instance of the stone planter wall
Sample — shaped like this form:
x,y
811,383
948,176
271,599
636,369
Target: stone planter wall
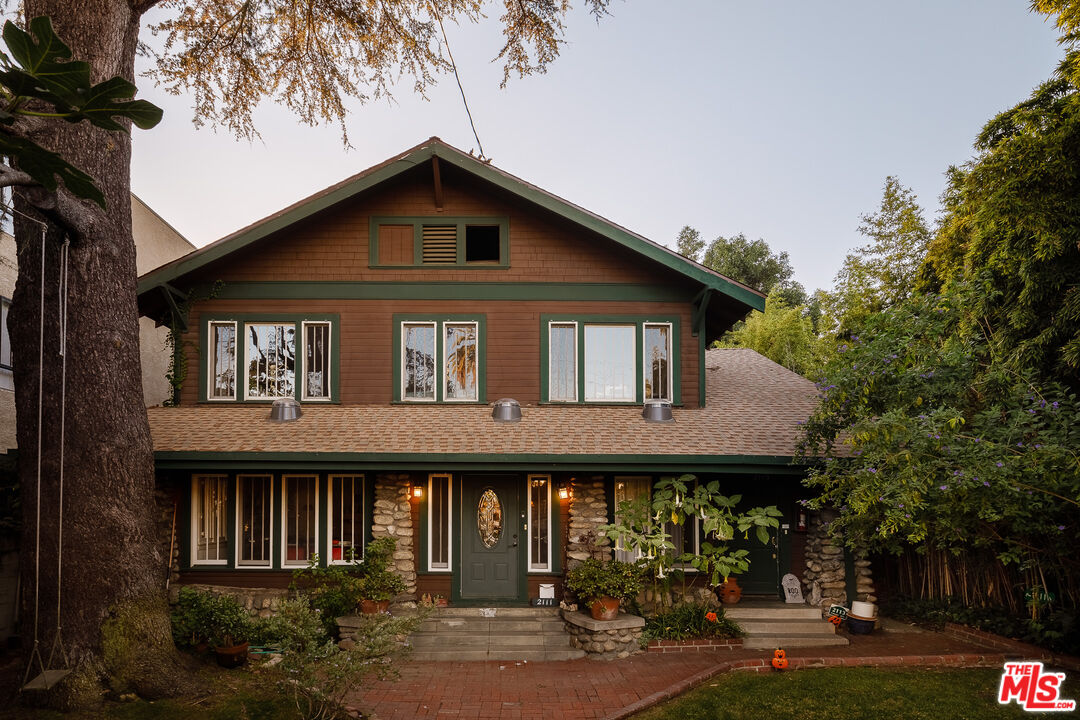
x,y
393,518
588,511
263,602
604,639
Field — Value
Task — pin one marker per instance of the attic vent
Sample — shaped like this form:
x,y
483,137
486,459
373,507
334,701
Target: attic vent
x,y
440,244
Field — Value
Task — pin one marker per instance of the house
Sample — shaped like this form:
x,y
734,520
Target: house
x,y
397,308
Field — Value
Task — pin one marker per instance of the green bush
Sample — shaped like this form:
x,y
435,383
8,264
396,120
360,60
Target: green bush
x,y
593,579
219,620
332,591
1054,630
377,581
689,621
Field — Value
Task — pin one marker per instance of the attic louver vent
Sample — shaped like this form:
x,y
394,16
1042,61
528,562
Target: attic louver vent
x,y
440,244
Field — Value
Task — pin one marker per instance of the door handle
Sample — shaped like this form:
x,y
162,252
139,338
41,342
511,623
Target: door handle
x,y
514,544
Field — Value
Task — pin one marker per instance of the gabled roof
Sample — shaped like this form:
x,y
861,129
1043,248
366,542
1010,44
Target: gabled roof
x,y
752,418
422,153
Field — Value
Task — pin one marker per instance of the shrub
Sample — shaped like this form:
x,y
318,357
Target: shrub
x,y
332,591
688,621
377,581
593,579
202,617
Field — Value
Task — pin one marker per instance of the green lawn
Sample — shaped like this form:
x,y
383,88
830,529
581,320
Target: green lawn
x,y
852,694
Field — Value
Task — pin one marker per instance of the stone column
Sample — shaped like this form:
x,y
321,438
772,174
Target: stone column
x,y
393,518
864,578
588,511
824,577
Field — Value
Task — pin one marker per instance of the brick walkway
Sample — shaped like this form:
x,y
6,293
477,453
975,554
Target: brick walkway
x,y
576,689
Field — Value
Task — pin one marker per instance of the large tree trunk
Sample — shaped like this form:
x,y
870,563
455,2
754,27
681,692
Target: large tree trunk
x,y
111,590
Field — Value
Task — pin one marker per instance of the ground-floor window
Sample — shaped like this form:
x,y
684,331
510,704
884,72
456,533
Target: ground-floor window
x,y
685,537
254,519
300,527
346,511
539,522
439,521
209,520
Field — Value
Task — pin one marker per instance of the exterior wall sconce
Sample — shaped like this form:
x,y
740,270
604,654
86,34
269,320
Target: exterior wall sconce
x,y
564,493
418,491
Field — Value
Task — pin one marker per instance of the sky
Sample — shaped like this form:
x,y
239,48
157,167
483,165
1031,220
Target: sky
x,y
779,120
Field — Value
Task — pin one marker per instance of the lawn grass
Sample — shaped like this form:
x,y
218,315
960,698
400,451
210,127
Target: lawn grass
x,y
851,694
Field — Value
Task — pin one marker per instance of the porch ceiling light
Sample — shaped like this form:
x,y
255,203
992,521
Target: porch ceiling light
x,y
285,410
506,410
657,411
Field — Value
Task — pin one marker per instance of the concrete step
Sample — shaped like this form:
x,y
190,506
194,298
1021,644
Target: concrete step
x,y
467,625
771,611
768,642
786,627
499,612
493,640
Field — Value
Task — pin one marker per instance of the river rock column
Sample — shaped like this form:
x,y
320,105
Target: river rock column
x,y
588,511
864,578
824,578
393,518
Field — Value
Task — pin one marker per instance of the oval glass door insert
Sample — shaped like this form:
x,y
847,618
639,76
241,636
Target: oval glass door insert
x,y
489,518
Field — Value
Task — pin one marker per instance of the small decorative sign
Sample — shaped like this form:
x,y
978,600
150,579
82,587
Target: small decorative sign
x,y
839,611
792,589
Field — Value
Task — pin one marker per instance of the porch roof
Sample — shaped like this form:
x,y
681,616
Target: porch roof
x,y
751,417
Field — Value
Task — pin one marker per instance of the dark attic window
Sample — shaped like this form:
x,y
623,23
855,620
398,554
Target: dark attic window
x,y
482,243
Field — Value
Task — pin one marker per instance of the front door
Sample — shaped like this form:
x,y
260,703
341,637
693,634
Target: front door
x,y
491,534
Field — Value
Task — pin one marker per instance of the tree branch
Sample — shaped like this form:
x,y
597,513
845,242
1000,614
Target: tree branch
x,y
75,216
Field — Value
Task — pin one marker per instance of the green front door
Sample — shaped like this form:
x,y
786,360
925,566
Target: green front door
x,y
491,538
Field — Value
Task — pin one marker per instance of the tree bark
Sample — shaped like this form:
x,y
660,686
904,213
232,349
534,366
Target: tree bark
x,y
110,581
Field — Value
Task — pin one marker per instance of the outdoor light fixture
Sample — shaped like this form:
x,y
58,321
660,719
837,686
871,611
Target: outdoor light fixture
x,y
506,410
657,411
285,410
564,493
418,491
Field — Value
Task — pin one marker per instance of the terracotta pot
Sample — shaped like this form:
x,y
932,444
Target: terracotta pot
x,y
730,592
442,602
371,607
230,657
606,608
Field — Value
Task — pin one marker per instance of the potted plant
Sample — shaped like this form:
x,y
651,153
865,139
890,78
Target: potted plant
x,y
603,586
227,627
378,583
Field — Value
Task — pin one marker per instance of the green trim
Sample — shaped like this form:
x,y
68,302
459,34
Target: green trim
x,y
703,343
297,319
639,322
421,154
451,462
418,223
439,321
385,290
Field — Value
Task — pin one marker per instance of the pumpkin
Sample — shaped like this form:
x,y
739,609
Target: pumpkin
x,y
779,654
780,663
835,620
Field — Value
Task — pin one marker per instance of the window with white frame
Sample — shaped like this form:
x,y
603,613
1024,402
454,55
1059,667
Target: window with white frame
x,y
439,360
562,362
6,379
346,519
316,370
270,355
656,361
610,367
418,366
460,360
209,520
628,489
440,486
254,520
539,522
300,524
222,350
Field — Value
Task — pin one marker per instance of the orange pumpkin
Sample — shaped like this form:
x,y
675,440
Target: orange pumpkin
x,y
780,663
835,620
779,654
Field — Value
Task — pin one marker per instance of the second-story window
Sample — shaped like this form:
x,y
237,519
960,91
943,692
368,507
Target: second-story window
x,y
439,359
262,357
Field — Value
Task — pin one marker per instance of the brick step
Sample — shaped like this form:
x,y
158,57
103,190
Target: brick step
x,y
786,627
769,642
473,655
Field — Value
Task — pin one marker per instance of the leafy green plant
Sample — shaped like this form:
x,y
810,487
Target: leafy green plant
x,y
332,591
593,579
377,581
201,617
688,621
38,69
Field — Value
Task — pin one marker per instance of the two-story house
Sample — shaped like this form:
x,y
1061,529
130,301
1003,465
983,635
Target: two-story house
x,y
397,307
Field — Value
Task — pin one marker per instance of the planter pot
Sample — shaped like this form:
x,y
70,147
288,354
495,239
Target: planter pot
x,y
442,602
371,607
860,625
863,609
230,657
730,592
606,608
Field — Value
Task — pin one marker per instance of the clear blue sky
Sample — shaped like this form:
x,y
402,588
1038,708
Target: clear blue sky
x,y
779,120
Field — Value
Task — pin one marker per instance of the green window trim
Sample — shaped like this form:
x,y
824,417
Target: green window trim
x,y
440,321
461,222
241,320
581,321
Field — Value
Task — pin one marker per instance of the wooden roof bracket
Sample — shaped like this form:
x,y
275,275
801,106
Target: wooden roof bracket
x,y
171,294
701,305
438,183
